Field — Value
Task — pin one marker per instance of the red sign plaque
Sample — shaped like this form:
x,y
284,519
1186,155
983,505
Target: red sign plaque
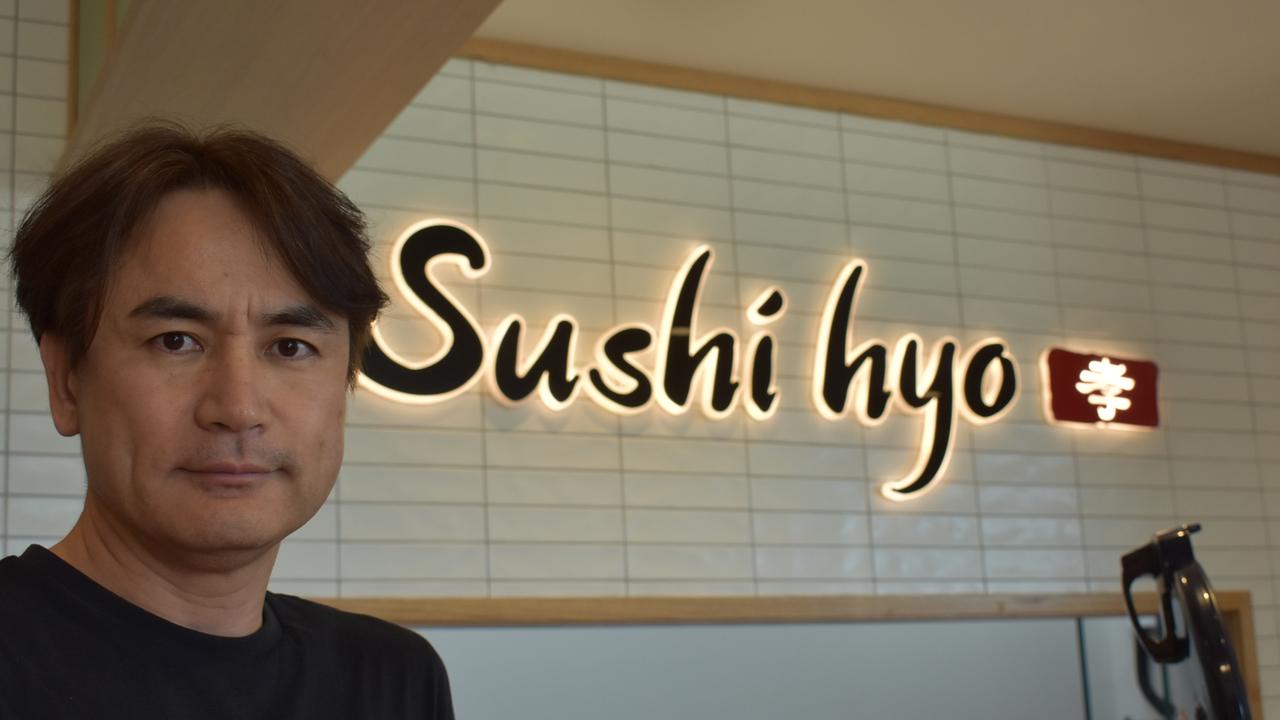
x,y
1099,390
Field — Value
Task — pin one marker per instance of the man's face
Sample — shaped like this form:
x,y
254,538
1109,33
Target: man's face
x,y
211,400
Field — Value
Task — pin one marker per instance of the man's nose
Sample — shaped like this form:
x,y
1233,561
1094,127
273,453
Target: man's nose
x,y
231,398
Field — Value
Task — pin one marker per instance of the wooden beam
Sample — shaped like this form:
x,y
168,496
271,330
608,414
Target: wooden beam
x,y
716,83
1236,608
323,76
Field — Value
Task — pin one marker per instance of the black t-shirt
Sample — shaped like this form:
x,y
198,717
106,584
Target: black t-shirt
x,y
70,648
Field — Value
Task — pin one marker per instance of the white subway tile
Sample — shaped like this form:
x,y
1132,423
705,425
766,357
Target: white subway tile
x,y
669,186
556,588
46,475
1193,273
43,40
1104,293
1094,206
536,136
554,524
813,563
809,528
883,150
893,212
534,103
547,171
396,445
924,530
788,200
1090,177
412,561
53,11
881,180
1026,468
808,494
782,167
1178,168
647,150
1126,502
1024,227
689,562
1095,235
1254,199
1183,190
1264,227
697,223
1004,564
674,455
1185,217
389,483
41,78
983,252
370,521
688,526
1030,531
782,136
550,205
665,120
540,450
927,564
999,194
512,561
804,233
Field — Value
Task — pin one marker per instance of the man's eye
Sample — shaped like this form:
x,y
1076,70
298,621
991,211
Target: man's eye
x,y
176,342
293,348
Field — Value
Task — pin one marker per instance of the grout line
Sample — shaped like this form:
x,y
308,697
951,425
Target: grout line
x,y
862,430
13,223
971,445
742,387
613,300
484,424
1034,371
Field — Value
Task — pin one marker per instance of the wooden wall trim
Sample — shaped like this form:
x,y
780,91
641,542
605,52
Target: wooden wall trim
x,y
747,609
1236,607
670,76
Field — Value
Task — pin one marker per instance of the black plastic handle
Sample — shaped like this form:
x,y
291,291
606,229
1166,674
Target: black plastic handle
x,y
1155,559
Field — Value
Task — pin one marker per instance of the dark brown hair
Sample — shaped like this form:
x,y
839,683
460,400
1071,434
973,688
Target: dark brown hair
x,y
77,231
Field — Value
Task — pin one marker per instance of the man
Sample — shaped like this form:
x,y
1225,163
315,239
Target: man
x,y
201,305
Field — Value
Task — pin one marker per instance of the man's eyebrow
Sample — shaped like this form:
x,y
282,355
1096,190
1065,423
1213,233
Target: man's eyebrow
x,y
301,315
168,307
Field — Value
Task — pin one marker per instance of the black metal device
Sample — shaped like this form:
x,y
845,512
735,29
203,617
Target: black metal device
x,y
1205,675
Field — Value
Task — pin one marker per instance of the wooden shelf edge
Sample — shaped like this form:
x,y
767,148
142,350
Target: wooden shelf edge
x,y
1236,607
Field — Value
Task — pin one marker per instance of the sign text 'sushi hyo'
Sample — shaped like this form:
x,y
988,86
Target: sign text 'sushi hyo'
x,y
942,383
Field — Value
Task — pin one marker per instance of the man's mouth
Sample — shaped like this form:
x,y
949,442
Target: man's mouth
x,y
229,474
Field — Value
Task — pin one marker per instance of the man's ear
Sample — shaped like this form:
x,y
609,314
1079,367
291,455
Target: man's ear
x,y
63,384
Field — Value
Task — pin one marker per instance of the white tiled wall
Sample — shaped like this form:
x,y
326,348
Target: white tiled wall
x,y
590,193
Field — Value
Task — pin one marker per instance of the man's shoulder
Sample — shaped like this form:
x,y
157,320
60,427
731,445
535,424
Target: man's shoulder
x,y
350,632
18,589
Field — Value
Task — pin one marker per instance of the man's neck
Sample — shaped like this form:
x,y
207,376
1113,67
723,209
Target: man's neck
x,y
225,601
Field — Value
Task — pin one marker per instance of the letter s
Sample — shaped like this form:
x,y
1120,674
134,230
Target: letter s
x,y
457,365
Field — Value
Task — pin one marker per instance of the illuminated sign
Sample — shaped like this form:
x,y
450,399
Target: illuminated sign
x,y
1099,390
713,368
